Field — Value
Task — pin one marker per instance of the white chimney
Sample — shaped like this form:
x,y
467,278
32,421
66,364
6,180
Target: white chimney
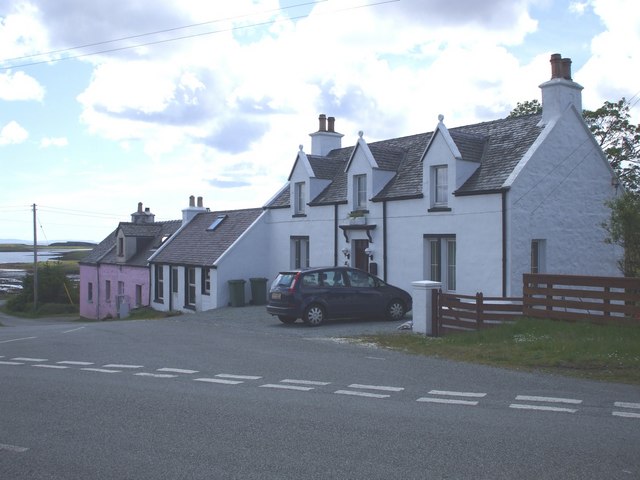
x,y
326,138
192,210
561,91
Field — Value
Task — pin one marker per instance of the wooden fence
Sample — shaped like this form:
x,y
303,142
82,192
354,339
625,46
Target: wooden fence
x,y
455,312
578,298
557,297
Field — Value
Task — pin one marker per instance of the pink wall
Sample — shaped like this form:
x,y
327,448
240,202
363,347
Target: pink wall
x,y
101,306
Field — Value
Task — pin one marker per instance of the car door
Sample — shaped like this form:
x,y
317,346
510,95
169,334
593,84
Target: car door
x,y
367,299
338,294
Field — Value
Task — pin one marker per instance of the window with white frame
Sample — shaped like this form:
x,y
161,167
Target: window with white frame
x,y
138,295
299,198
190,291
159,290
359,192
174,280
206,281
538,256
440,185
299,252
440,260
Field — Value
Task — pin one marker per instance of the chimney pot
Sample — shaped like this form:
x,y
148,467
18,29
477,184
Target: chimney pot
x,y
323,123
332,123
200,202
147,210
566,68
192,201
139,207
556,66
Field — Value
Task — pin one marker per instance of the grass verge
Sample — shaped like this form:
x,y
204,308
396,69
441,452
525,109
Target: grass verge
x,y
597,352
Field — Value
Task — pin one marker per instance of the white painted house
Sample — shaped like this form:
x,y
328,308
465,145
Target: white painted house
x,y
474,206
191,271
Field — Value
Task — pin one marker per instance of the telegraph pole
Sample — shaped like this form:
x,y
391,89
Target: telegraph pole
x,y
35,261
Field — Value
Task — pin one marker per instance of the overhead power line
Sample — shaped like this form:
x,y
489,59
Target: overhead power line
x,y
156,32
174,39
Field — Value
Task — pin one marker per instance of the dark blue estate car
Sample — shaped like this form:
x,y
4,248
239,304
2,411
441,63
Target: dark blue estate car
x,y
316,294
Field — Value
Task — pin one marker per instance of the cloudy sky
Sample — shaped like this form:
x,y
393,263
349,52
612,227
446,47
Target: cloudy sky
x,y
107,103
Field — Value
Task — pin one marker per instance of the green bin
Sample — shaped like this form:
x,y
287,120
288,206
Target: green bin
x,y
236,293
258,291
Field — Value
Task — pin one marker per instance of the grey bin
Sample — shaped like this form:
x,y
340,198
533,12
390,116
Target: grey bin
x,y
258,291
236,293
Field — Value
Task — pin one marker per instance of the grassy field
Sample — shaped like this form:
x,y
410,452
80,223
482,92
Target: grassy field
x,y
597,352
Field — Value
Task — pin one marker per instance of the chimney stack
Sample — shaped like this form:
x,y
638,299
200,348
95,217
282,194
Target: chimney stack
x,y
192,210
325,140
140,216
561,91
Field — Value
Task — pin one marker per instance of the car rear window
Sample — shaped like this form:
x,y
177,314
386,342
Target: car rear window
x,y
284,280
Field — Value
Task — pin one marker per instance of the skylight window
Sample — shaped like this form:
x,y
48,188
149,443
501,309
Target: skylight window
x,y
216,222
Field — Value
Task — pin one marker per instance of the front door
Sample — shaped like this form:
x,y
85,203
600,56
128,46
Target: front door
x,y
361,258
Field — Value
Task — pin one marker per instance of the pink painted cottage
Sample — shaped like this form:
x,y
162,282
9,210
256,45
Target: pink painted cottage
x,y
114,277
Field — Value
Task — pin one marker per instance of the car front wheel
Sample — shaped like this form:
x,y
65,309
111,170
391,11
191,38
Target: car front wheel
x,y
314,315
395,310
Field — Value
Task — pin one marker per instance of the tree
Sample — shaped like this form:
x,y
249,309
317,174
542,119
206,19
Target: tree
x,y
623,228
528,107
619,140
53,287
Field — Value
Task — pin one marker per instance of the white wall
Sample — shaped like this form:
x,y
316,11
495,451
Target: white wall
x,y
559,196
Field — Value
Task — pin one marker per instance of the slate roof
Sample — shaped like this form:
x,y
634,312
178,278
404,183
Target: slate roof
x,y
149,235
196,245
497,146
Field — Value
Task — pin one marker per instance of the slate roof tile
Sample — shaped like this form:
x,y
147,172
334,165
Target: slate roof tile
x,y
497,146
196,245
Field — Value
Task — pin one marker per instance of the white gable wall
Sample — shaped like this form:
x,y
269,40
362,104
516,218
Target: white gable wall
x,y
559,196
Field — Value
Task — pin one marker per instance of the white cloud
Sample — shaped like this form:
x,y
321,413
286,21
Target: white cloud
x,y
20,86
13,133
53,142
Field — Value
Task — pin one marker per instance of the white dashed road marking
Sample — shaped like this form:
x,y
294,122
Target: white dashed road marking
x,y
305,382
155,375
101,370
439,394
626,414
238,377
376,387
73,330
118,365
18,339
218,380
176,370
286,387
27,359
529,398
361,394
12,448
11,363
71,362
59,367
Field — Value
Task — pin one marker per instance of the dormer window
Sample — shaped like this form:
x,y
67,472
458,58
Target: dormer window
x,y
359,192
120,247
440,185
299,198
